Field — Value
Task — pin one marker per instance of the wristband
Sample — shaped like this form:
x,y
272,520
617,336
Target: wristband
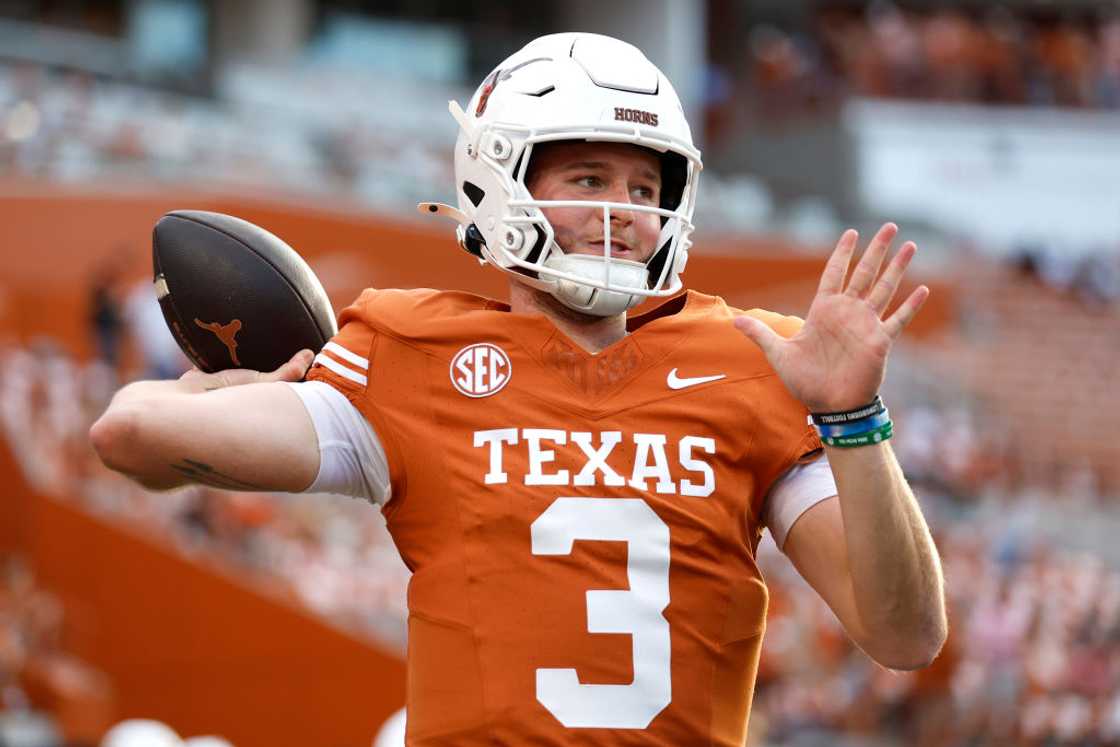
x,y
836,418
864,425
880,434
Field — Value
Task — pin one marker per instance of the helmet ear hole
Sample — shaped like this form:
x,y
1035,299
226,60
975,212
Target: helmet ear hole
x,y
517,168
474,193
674,176
656,263
534,254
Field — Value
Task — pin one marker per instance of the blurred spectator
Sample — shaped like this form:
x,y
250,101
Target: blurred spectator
x,y
1093,277
897,42
30,622
951,46
106,315
26,729
1066,56
1107,88
160,354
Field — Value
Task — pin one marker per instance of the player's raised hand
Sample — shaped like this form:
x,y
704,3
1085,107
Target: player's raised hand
x,y
838,359
293,370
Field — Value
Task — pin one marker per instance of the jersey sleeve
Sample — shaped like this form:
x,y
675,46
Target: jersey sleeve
x,y
347,363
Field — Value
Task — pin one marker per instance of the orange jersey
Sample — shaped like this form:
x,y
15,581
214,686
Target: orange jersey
x,y
581,528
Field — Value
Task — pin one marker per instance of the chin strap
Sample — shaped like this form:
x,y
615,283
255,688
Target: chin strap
x,y
596,301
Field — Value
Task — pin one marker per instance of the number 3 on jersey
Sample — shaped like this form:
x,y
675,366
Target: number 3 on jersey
x,y
637,611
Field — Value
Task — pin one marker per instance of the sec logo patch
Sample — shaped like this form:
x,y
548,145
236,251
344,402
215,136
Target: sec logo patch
x,y
480,370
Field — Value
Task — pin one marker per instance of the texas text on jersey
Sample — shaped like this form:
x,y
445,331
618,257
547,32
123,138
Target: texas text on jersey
x,y
581,528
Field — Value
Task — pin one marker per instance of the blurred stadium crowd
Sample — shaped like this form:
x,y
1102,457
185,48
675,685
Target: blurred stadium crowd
x,y
32,655
71,127
333,553
982,54
327,554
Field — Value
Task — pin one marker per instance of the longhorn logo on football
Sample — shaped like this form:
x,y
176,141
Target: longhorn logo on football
x,y
227,333
480,370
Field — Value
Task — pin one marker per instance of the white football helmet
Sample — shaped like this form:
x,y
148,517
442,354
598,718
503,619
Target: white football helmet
x,y
582,87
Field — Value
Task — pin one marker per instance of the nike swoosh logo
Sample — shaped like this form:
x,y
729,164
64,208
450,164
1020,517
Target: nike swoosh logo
x,y
676,382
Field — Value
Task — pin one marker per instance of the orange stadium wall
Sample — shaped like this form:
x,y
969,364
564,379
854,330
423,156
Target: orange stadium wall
x,y
180,639
189,644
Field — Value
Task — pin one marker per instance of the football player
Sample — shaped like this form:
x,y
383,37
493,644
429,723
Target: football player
x,y
579,494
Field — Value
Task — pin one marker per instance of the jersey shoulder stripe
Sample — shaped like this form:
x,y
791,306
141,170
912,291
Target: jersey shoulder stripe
x,y
344,362
322,359
353,359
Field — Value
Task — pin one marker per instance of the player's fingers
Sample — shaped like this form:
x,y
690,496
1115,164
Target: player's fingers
x,y
200,381
884,290
868,267
300,362
294,369
832,279
905,313
760,334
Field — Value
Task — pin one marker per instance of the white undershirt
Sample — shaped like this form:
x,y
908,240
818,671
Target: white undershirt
x,y
351,458
795,492
352,462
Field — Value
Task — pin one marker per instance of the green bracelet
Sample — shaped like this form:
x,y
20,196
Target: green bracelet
x,y
880,434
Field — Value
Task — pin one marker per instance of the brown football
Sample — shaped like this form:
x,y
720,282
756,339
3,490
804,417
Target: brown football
x,y
234,295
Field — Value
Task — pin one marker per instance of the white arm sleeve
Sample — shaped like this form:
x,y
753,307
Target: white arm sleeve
x,y
799,489
351,458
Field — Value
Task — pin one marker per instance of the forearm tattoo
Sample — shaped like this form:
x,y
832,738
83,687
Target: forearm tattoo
x,y
207,475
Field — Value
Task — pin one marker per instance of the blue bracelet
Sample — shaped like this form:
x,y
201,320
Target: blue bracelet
x,y
855,427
